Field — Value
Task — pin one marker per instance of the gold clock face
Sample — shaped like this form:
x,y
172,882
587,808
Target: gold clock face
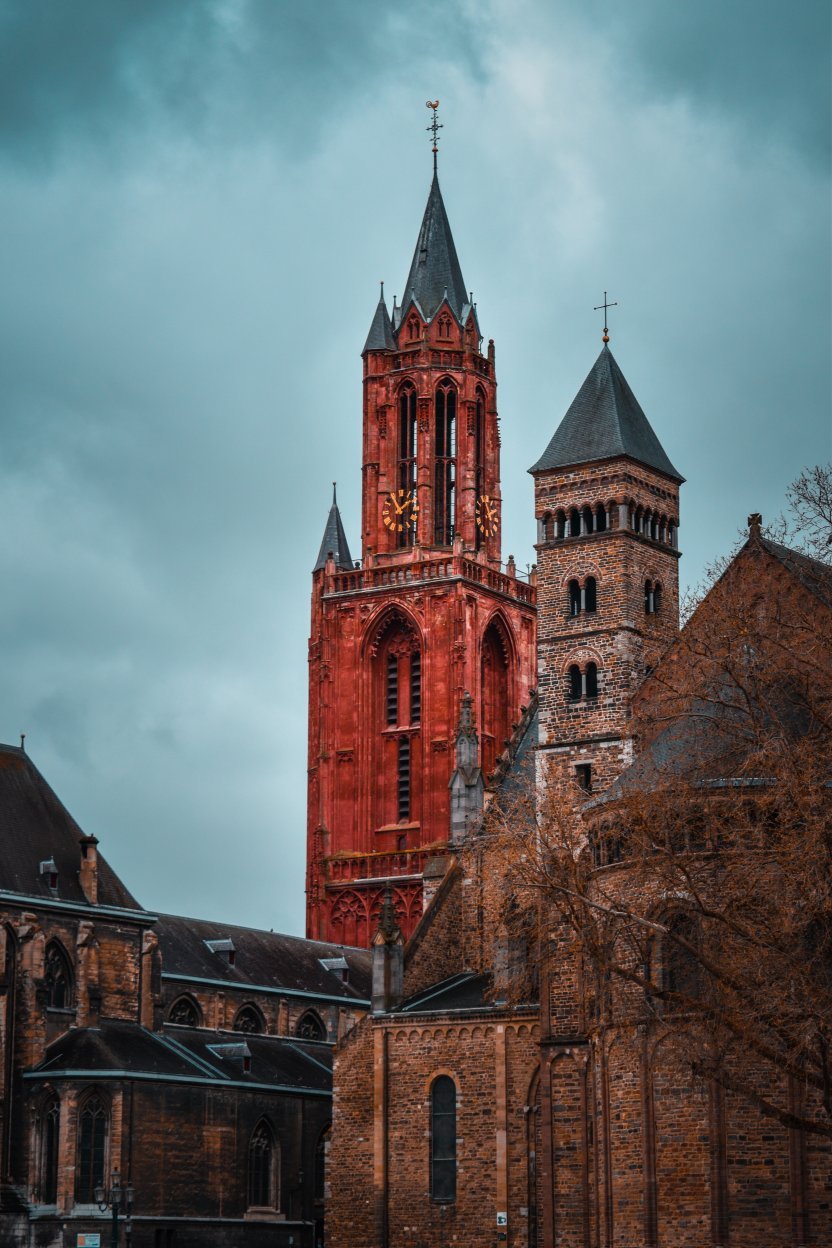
x,y
487,515
400,510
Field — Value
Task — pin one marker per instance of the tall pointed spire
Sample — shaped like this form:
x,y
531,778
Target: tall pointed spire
x,y
334,540
435,268
380,337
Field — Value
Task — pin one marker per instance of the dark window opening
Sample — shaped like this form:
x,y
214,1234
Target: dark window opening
x,y
415,687
443,1139
57,976
575,683
591,680
184,1012
444,497
587,517
49,1127
408,451
404,778
261,1168
590,594
560,523
310,1027
392,689
601,518
574,598
682,971
657,598
583,773
92,1143
250,1021
479,458
649,600
574,523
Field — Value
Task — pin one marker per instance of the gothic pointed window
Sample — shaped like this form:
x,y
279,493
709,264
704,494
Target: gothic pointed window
x,y
50,1117
408,453
58,979
479,456
262,1168
184,1012
443,1139
682,971
444,492
495,724
93,1124
249,1020
310,1027
397,674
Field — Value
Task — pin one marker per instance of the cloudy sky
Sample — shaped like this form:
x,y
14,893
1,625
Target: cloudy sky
x,y
198,200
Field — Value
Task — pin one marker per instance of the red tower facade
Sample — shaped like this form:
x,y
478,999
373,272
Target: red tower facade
x,y
428,614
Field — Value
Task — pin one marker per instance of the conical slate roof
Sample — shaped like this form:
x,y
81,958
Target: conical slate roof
x,y
335,540
435,268
604,421
380,337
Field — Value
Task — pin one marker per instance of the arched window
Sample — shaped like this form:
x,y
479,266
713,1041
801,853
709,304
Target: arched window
x,y
574,523
444,327
587,517
396,660
574,598
50,1117
560,525
479,456
591,680
444,494
601,518
682,972
93,1123
495,724
321,1151
649,604
184,1012
575,682
408,451
250,1020
590,594
657,598
57,974
310,1026
413,328
443,1139
638,521
262,1168
671,533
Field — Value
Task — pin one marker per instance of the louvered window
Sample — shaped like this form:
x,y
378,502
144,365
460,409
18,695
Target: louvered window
x,y
392,689
415,687
404,778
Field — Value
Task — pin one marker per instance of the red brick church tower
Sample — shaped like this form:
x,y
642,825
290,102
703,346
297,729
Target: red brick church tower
x,y
428,615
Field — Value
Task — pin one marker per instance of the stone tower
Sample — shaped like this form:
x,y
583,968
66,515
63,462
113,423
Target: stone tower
x,y
427,615
607,508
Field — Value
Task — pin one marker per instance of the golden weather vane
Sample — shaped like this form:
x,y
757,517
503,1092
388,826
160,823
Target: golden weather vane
x,y
434,128
605,337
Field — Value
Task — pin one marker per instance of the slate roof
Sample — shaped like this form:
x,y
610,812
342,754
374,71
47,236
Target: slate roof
x,y
262,959
335,540
605,421
435,268
467,991
380,337
36,826
188,1054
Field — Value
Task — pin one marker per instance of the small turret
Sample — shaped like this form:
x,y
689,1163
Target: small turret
x,y
465,784
334,540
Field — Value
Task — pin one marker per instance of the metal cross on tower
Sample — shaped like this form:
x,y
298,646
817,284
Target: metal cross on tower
x,y
605,337
434,128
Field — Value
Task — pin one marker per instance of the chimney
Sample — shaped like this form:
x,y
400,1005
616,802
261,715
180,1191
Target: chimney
x,y
88,875
388,959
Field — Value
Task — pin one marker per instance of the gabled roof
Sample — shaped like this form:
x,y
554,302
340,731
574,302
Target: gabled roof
x,y
35,826
267,960
380,337
334,540
605,421
812,574
435,272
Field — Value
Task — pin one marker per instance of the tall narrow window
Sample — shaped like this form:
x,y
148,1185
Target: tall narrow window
x,y
591,594
444,495
443,1139
49,1124
92,1144
415,687
479,456
392,702
404,778
575,684
58,977
261,1168
591,680
574,598
408,450
682,970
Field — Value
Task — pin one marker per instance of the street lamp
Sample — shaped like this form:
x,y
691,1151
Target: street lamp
x,y
114,1198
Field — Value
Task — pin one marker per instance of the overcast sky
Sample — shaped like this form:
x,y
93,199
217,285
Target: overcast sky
x,y
198,200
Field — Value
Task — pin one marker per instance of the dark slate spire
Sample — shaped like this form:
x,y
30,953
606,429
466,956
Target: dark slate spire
x,y
604,421
335,540
380,337
435,268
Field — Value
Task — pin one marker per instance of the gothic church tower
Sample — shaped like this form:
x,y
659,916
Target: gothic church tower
x,y
607,508
428,615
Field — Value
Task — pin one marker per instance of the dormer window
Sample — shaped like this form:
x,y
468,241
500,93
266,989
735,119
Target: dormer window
x,y
224,947
239,1053
338,966
49,874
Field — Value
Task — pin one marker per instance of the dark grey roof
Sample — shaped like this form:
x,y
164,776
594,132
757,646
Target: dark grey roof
x,y
435,269
34,827
380,337
334,540
467,991
262,959
605,421
186,1054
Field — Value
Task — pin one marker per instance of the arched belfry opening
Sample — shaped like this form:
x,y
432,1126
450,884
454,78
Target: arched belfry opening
x,y
495,686
396,660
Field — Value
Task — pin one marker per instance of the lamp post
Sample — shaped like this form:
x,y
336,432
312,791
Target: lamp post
x,y
114,1198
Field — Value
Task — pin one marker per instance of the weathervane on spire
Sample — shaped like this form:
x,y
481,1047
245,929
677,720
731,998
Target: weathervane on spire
x,y
434,128
605,337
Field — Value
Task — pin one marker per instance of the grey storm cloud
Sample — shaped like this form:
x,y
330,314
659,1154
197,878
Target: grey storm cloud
x,y
199,199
